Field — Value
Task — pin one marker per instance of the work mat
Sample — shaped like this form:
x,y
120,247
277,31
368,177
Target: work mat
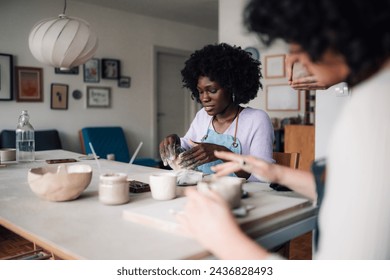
x,y
264,207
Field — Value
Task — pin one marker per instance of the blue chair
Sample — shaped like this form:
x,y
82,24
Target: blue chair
x,y
44,139
110,140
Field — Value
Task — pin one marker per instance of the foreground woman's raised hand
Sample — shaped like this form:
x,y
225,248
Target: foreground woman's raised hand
x,y
299,77
263,170
297,180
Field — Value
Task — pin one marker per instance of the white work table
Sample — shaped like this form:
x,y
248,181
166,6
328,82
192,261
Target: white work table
x,y
87,229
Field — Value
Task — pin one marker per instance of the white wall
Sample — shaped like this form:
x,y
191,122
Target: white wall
x,y
232,31
124,36
329,104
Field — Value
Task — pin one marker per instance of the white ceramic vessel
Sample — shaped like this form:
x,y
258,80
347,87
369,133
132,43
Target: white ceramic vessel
x,y
114,188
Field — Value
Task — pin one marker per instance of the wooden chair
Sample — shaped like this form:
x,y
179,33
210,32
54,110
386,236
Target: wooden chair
x,y
290,160
287,159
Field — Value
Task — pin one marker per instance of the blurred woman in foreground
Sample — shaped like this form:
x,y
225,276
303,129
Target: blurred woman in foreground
x,y
335,41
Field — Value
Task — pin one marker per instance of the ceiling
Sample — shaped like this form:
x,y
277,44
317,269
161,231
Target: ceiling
x,y
202,13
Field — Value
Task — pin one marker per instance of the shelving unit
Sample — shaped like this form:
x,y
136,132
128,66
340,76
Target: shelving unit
x,y
310,107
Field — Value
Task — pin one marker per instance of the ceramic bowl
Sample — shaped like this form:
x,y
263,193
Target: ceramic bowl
x,y
229,188
61,182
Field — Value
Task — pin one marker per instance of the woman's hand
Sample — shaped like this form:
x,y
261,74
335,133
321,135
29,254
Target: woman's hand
x,y
299,77
169,148
261,169
199,154
300,181
208,218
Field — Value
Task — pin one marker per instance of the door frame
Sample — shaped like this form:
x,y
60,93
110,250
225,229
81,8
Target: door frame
x,y
192,106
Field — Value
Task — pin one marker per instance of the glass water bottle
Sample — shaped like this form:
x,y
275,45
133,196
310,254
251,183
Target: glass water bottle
x,y
25,139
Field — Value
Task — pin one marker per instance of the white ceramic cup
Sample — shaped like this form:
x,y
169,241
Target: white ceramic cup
x,y
163,186
114,188
7,154
230,188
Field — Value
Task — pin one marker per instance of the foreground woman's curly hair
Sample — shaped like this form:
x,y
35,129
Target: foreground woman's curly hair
x,y
231,67
358,30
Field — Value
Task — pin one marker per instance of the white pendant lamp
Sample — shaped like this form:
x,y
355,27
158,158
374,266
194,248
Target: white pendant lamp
x,y
63,42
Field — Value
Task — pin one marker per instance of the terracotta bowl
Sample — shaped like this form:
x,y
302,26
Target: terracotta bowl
x,y
61,182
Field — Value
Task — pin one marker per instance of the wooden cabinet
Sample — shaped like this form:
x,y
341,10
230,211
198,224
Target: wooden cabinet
x,y
300,138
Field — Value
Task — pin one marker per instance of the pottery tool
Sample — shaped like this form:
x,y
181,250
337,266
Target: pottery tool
x,y
135,153
95,156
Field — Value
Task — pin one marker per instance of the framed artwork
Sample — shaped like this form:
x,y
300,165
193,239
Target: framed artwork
x,y
98,97
110,69
29,81
91,71
124,82
71,71
6,66
282,98
59,96
274,66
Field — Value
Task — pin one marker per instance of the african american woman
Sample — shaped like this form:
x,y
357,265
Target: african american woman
x,y
221,77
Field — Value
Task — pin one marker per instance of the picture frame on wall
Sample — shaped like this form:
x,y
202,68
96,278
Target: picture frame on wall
x,y
110,69
98,97
124,82
91,71
71,71
29,81
6,76
59,97
275,66
282,97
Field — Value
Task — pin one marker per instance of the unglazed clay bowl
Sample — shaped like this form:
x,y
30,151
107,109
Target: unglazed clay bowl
x,y
61,182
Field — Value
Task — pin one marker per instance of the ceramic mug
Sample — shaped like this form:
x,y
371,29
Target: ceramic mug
x,y
163,186
7,154
230,188
113,188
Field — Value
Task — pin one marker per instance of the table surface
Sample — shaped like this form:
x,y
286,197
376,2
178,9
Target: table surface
x,y
87,229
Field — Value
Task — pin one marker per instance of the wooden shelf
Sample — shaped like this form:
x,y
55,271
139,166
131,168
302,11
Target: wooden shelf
x,y
310,107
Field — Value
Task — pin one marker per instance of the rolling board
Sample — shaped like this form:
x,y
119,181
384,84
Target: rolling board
x,y
160,214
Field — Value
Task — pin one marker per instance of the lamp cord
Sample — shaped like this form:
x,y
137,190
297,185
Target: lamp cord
x,y
64,7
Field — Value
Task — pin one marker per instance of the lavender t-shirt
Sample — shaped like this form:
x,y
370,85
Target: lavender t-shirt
x,y
254,131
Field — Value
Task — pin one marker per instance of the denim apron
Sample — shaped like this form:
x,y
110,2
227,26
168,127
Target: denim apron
x,y
230,142
319,171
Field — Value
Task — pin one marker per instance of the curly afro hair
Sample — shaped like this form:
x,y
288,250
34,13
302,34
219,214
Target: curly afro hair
x,y
358,30
231,67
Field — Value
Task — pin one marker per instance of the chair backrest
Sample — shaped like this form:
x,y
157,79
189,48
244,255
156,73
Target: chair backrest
x,y
105,140
287,159
44,139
